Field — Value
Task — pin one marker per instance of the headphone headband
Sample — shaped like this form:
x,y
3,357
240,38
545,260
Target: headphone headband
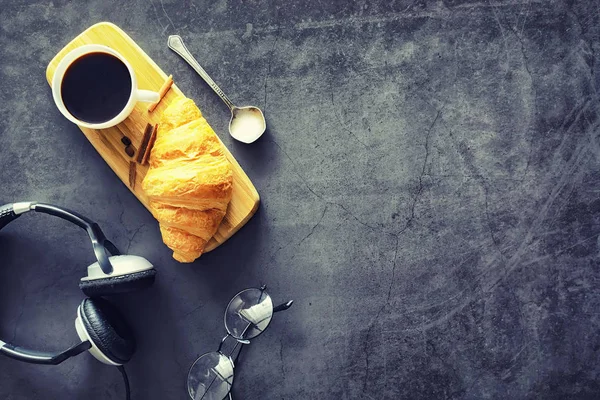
x,y
10,212
38,357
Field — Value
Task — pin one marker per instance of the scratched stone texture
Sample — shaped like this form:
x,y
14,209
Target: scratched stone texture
x,y
430,199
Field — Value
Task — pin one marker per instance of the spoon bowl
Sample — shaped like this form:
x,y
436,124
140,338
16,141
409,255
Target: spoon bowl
x,y
247,124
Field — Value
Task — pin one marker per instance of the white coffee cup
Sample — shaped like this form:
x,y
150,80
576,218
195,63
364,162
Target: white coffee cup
x,y
136,94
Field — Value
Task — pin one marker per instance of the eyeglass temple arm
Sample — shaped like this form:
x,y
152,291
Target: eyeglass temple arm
x,y
283,307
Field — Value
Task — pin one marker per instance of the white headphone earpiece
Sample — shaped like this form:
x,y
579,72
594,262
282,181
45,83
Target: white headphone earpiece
x,y
85,336
129,273
122,265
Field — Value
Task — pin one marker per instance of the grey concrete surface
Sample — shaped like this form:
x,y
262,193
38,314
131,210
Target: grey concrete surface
x,y
429,186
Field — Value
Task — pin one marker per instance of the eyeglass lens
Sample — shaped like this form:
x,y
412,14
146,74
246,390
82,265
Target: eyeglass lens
x,y
211,377
249,314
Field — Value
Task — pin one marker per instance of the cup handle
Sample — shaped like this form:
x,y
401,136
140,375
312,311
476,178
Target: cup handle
x,y
147,96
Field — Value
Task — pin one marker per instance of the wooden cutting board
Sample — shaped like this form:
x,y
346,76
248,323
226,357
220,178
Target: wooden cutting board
x,y
108,141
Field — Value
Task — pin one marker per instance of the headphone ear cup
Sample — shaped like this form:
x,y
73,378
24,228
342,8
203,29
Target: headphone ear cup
x,y
107,329
130,273
118,284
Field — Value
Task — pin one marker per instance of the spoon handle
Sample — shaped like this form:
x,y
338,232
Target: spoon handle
x,y
175,43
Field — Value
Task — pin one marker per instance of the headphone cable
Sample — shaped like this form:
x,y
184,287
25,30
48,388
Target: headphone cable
x,y
125,381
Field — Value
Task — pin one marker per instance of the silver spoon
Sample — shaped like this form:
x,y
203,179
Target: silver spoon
x,y
247,124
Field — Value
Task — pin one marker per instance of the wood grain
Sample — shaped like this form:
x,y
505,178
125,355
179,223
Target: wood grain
x,y
108,143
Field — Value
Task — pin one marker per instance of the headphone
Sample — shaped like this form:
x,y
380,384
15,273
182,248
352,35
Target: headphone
x,y
101,328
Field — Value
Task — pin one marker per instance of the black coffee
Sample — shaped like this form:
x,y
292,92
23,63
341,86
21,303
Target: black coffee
x,y
96,87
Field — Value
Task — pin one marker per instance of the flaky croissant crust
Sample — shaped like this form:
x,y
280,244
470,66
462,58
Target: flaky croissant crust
x,y
189,182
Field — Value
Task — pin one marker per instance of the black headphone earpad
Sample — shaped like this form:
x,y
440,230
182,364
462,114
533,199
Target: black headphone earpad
x,y
108,330
118,284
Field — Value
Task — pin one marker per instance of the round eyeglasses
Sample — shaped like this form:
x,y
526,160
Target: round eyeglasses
x,y
247,315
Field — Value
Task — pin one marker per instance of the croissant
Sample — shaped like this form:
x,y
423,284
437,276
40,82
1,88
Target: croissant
x,y
189,182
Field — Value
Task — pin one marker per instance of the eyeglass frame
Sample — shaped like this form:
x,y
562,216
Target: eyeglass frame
x,y
239,341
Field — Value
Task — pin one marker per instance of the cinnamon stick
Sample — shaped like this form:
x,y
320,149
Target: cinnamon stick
x,y
144,144
150,144
132,174
163,90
